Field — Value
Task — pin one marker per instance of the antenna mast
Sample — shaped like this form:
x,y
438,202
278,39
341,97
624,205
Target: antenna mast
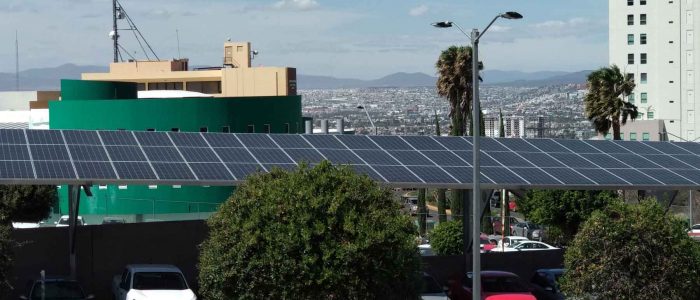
x,y
115,36
16,61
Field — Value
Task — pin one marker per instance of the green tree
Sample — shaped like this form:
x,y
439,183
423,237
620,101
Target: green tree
x,y
5,258
314,233
605,103
26,203
563,211
422,212
441,196
447,238
632,252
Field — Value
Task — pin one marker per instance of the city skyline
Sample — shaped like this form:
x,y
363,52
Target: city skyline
x,y
341,39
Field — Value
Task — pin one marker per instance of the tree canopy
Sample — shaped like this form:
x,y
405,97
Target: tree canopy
x,y
26,203
632,252
447,238
605,103
314,233
563,211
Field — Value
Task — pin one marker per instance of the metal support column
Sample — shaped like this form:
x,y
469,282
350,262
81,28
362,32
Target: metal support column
x,y
73,211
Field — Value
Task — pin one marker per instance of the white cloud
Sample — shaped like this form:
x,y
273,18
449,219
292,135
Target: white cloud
x,y
418,10
296,4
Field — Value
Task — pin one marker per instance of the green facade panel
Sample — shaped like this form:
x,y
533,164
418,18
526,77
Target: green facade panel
x,y
89,106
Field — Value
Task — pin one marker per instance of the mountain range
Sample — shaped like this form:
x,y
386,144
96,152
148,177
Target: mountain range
x,y
49,79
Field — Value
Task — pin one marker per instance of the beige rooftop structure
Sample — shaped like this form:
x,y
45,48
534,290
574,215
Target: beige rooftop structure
x,y
235,78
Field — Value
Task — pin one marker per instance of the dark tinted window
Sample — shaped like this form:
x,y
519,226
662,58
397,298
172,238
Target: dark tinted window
x,y
63,290
430,286
502,284
159,281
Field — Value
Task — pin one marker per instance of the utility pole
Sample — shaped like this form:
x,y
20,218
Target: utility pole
x,y
16,61
115,37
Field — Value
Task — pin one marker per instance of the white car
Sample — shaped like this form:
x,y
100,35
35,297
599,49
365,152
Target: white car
x,y
426,250
151,282
63,221
694,231
526,246
510,241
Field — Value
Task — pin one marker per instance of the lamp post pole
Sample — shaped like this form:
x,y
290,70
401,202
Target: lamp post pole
x,y
362,107
476,172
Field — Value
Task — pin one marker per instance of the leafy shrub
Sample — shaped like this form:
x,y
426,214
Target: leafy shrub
x,y
447,239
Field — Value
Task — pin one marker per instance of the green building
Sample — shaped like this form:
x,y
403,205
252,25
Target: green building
x,y
99,105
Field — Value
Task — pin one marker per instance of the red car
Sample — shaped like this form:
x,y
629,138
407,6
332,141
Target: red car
x,y
495,285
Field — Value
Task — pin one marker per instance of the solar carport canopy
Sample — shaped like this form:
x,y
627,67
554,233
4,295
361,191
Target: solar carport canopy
x,y
179,158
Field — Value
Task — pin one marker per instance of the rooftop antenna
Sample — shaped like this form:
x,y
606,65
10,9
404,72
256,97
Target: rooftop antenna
x,y
177,33
114,34
16,61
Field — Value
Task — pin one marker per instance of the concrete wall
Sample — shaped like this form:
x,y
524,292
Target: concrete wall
x,y
103,251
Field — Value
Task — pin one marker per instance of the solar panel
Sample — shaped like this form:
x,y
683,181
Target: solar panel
x,y
241,171
391,142
602,177
397,174
509,159
541,160
547,145
45,137
228,140
188,139
125,153
668,148
634,177
608,147
568,176
54,169
412,158
271,156
324,141
366,170
341,156
134,170
120,137
423,143
535,176
88,153
173,171
638,148
94,170
163,154
357,142
690,147
668,161
193,154
82,137
256,140
153,138
49,152
577,146
604,161
211,171
14,152
16,170
502,175
376,157
445,158
12,136
492,145
454,143
235,155
291,141
432,174
667,177
518,145
304,155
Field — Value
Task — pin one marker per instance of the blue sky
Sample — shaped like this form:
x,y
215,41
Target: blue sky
x,y
342,38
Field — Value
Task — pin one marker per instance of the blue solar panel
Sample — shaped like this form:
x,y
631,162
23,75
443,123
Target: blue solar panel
x,y
45,137
14,152
432,174
668,148
693,175
568,176
125,153
502,175
211,171
357,142
601,176
464,174
12,136
88,153
200,155
120,138
668,161
690,147
637,147
484,160
271,156
388,142
489,144
95,170
134,170
228,140
304,155
153,138
578,146
423,142
572,160
366,170
241,171
54,169
634,177
290,141
163,154
547,145
338,157
412,158
635,161
16,169
509,159
604,161
535,176
397,174
667,177
81,137
256,140
283,167
188,139
608,147
455,143
323,141
692,160
235,155
173,171
540,159
376,157
49,152
445,158
518,145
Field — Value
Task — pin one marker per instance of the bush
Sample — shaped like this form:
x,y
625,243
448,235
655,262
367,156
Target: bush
x,y
5,258
315,233
447,238
26,203
632,252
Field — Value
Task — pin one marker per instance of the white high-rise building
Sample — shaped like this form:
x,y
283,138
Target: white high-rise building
x,y
654,41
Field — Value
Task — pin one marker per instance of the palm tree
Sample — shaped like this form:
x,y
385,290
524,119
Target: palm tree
x,y
455,83
606,104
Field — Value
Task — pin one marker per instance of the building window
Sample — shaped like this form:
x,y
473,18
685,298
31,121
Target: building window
x,y
175,129
251,128
643,39
630,76
140,86
689,37
266,128
643,58
691,117
643,78
689,17
645,136
643,97
650,115
630,39
630,98
205,87
633,136
691,96
630,59
689,57
643,19
622,136
630,19
286,128
203,129
150,129
608,136
168,86
630,2
642,2
225,129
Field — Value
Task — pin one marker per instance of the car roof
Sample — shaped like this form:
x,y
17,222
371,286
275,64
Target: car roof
x,y
494,274
553,271
152,268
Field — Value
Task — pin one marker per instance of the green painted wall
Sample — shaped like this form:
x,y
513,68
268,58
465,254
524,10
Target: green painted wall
x,y
189,114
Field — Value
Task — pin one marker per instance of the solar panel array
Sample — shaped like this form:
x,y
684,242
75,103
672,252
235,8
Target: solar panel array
x,y
141,157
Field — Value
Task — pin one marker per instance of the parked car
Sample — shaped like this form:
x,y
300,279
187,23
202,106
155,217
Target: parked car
x,y
63,221
431,290
526,246
694,231
151,282
426,250
529,230
495,221
113,220
510,241
495,285
545,284
55,289
24,225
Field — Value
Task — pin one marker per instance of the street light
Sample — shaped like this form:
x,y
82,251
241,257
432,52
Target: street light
x,y
368,117
476,114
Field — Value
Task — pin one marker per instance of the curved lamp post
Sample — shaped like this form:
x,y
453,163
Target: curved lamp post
x,y
360,107
475,36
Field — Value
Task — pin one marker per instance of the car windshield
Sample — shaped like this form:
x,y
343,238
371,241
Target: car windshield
x,y
159,281
502,284
430,286
63,221
58,290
